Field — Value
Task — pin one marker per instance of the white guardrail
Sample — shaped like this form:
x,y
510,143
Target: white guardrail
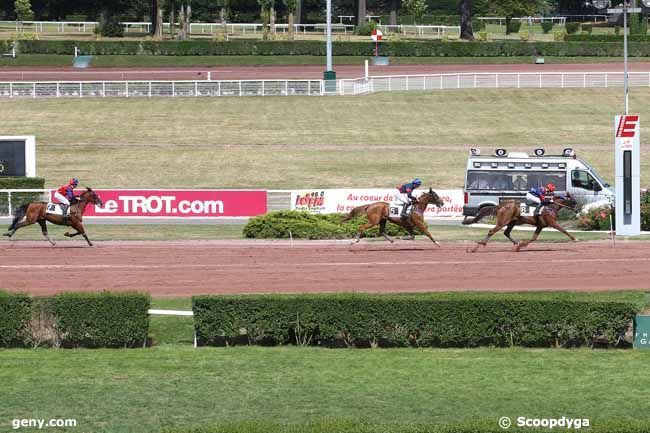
x,y
358,86
212,28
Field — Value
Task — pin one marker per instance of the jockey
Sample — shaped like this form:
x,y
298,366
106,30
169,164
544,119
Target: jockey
x,y
65,194
405,195
537,197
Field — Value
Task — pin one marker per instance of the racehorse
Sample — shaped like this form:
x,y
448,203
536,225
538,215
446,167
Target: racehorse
x,y
508,215
35,212
379,213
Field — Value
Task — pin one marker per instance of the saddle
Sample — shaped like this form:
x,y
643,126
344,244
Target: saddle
x,y
55,209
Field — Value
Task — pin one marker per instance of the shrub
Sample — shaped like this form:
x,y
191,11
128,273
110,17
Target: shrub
x,y
15,313
587,28
24,36
547,26
366,29
617,30
419,320
315,48
559,36
23,9
110,28
524,36
514,26
101,319
596,219
483,36
305,225
572,27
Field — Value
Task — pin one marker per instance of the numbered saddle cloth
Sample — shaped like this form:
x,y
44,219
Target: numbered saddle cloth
x,y
55,209
396,208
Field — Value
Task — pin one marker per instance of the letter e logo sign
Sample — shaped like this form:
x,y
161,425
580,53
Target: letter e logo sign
x,y
627,126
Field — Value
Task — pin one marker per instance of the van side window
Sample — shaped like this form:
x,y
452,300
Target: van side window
x,y
582,179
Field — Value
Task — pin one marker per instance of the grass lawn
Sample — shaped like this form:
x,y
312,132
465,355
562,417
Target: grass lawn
x,y
187,61
168,232
121,391
307,142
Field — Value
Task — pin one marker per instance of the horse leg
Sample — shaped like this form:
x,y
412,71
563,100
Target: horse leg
x,y
27,222
409,228
523,244
557,227
511,225
362,229
382,231
43,225
80,231
424,229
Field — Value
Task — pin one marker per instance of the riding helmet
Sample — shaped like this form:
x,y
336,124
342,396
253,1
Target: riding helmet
x,y
74,181
550,187
417,182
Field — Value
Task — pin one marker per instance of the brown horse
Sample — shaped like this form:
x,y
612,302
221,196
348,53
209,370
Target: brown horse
x,y
379,213
508,215
35,212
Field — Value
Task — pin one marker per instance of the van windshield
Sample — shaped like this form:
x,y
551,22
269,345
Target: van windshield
x,y
513,180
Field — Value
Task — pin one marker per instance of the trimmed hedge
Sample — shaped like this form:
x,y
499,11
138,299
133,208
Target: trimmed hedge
x,y
607,38
101,319
22,183
418,320
347,426
15,313
317,48
304,225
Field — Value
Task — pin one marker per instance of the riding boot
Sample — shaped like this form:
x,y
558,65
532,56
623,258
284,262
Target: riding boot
x,y
64,209
404,213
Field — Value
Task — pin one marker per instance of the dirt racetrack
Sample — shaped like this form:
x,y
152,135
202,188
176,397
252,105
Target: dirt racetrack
x,y
226,267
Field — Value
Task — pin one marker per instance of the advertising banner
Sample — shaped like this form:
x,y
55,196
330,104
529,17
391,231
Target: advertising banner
x,y
178,203
324,201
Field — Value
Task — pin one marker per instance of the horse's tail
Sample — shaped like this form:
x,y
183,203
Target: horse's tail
x,y
483,212
19,215
355,212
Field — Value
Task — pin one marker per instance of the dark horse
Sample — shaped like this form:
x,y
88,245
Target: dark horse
x,y
508,215
379,213
35,212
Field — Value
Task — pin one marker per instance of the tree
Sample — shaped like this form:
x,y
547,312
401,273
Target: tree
x,y
361,12
291,8
23,9
266,7
466,30
417,8
394,5
224,11
511,8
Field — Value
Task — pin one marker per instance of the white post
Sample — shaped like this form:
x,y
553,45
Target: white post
x,y
329,35
366,68
9,202
625,52
209,75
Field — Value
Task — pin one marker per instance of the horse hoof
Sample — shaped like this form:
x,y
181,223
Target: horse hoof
x,y
472,249
437,244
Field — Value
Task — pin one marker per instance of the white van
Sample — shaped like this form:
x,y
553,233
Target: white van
x,y
503,176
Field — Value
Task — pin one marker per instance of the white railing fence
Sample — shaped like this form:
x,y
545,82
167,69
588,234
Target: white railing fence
x,y
12,198
544,80
139,89
359,86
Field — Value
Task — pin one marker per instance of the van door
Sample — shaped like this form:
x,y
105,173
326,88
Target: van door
x,y
585,187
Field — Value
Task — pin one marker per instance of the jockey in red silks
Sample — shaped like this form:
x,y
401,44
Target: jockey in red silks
x,y
65,194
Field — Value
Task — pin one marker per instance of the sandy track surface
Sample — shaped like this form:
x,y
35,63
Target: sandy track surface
x,y
229,267
286,72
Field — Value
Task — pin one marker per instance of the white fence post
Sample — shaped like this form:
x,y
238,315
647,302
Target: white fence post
x,y
9,202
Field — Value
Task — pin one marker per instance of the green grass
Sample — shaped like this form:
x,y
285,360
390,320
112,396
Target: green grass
x,y
121,391
207,61
168,232
307,142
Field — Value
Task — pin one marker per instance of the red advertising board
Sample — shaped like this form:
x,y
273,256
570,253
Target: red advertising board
x,y
179,203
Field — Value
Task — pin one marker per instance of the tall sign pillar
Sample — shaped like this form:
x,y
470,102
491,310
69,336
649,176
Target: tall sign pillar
x,y
628,168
